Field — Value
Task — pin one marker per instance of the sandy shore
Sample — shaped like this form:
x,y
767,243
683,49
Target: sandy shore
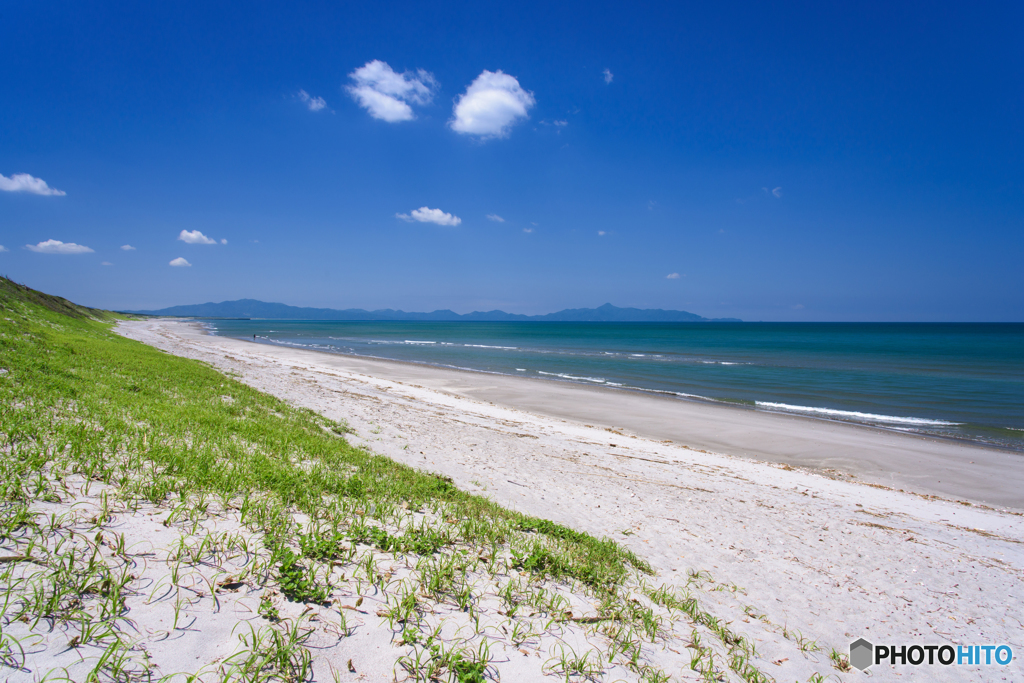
x,y
808,551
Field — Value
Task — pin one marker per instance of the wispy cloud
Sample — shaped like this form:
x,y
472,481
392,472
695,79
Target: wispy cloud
x,y
777,192
314,103
491,105
224,241
608,76
127,247
527,230
386,94
106,263
58,247
180,263
23,182
3,249
495,217
672,276
195,237
427,215
601,232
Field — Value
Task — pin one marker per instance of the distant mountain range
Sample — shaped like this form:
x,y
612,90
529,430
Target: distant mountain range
x,y
251,308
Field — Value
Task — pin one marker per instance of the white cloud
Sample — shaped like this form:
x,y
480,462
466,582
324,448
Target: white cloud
x,y
127,247
777,192
608,76
3,249
223,241
495,217
195,237
426,215
560,124
58,247
23,182
527,230
106,263
180,263
601,232
314,103
672,276
490,105
386,94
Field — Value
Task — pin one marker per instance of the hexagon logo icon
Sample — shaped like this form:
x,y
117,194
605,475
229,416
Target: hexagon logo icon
x,y
862,654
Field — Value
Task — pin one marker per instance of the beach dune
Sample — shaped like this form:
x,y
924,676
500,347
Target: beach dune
x,y
800,522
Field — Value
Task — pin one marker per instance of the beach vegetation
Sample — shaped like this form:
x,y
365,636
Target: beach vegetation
x,y
251,496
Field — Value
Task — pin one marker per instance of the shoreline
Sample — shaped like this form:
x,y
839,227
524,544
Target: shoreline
x,y
664,394
921,464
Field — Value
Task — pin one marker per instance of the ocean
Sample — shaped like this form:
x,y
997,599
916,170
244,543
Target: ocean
x,y
959,381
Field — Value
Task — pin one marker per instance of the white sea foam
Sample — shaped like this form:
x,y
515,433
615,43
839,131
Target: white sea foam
x,y
520,369
597,380
854,415
413,341
485,346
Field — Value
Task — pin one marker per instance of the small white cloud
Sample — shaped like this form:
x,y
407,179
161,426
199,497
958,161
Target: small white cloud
x,y
314,103
777,192
223,241
181,263
23,182
106,263
3,249
560,124
427,215
495,217
527,230
797,307
490,105
58,247
672,276
195,237
601,232
127,247
386,94
608,76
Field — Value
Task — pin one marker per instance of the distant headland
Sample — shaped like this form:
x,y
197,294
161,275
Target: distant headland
x,y
251,308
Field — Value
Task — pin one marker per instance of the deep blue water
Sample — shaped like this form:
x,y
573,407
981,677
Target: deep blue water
x,y
963,381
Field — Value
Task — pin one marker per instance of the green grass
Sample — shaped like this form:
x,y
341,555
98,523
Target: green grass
x,y
80,402
158,425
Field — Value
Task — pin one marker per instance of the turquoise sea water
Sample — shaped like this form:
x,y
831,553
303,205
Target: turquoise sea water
x,y
962,381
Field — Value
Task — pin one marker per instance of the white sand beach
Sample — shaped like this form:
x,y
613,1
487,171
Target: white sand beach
x,y
788,516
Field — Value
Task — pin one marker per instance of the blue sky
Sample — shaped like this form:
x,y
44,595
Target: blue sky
x,y
794,161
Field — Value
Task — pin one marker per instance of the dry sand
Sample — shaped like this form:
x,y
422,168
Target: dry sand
x,y
813,551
